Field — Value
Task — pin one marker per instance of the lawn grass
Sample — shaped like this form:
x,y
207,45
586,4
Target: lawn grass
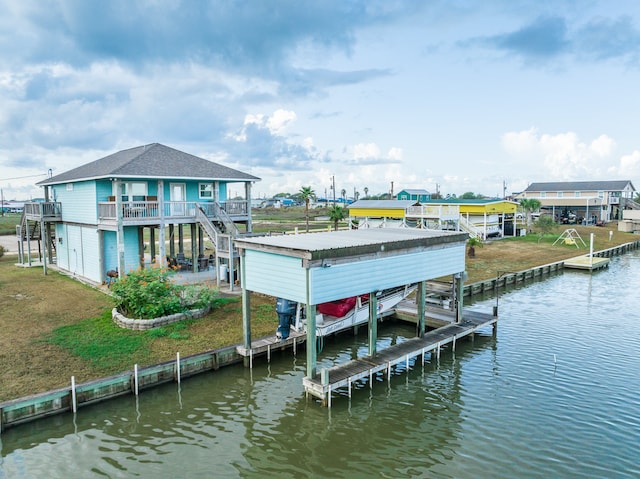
x,y
54,327
8,223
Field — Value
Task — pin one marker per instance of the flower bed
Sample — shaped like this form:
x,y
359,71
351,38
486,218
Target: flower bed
x,y
145,324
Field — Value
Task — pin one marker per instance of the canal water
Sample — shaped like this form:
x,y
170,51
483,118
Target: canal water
x,y
555,394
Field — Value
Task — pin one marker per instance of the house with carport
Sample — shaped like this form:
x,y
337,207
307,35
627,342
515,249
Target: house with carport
x,y
591,201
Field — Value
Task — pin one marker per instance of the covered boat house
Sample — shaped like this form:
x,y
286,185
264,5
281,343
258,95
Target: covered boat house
x,y
315,268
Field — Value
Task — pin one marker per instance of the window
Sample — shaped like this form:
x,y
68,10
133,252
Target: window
x,y
601,194
206,191
578,194
559,194
543,194
130,189
69,186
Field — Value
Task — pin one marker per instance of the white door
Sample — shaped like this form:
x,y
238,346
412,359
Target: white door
x,y
177,197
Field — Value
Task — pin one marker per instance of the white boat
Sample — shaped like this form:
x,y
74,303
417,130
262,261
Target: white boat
x,y
338,315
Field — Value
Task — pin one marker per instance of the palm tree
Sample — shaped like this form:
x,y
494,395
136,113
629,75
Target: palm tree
x,y
472,243
307,194
336,214
343,193
366,192
529,205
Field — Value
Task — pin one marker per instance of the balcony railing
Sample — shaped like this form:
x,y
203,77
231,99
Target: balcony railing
x,y
50,210
133,211
443,212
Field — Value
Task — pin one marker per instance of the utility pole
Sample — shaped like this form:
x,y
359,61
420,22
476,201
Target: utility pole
x,y
504,189
391,191
333,187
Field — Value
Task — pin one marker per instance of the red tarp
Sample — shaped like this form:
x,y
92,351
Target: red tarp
x,y
337,308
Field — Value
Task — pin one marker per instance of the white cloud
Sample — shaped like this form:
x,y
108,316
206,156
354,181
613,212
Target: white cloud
x,y
628,166
395,154
562,156
279,121
366,150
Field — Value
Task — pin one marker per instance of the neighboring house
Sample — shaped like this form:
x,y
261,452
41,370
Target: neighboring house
x,y
593,201
379,213
113,212
480,218
416,195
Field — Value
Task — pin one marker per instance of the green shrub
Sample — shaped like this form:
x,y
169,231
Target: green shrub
x,y
149,293
1,251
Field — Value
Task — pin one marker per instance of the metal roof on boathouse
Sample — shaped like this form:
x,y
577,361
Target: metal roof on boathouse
x,y
320,267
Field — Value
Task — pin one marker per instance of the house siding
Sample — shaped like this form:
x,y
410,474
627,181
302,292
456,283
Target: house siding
x,y
341,281
344,280
62,249
284,274
110,250
79,203
377,212
79,251
131,257
104,189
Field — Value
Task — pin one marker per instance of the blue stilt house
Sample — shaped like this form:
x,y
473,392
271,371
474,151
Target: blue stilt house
x,y
139,203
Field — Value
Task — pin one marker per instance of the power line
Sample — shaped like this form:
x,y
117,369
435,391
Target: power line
x,y
21,177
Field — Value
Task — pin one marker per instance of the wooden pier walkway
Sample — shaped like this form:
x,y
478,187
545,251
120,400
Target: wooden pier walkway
x,y
272,343
345,374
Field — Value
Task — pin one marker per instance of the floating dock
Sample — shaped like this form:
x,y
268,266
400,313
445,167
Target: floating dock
x,y
586,262
343,375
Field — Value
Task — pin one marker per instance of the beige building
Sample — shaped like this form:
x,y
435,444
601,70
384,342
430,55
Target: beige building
x,y
588,201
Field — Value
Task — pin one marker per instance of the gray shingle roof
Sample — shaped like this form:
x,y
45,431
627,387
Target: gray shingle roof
x,y
580,186
151,161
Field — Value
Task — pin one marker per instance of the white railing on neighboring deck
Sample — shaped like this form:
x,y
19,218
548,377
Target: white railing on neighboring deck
x,y
441,212
473,230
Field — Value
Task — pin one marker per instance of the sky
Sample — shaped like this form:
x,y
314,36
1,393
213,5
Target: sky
x,y
451,96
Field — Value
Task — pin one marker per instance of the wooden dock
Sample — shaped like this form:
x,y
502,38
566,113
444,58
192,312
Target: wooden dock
x,y
586,262
343,375
272,343
434,317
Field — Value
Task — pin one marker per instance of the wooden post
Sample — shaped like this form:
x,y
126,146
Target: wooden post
x,y
459,294
194,254
152,244
172,242
420,300
120,230
312,353
246,310
373,323
141,245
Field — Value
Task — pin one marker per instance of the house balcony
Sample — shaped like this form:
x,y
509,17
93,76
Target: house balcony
x,y
140,213
50,211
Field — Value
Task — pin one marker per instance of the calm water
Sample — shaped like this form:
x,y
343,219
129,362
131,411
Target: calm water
x,y
556,394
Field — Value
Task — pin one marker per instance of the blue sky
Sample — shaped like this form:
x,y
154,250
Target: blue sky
x,y
450,95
